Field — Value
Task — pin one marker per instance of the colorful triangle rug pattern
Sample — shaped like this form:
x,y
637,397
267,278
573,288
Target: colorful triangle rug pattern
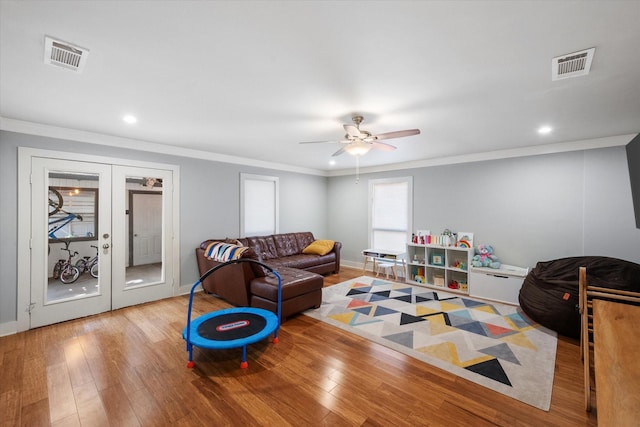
x,y
494,345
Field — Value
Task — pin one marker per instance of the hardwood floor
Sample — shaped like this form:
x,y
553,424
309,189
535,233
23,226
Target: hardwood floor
x,y
127,368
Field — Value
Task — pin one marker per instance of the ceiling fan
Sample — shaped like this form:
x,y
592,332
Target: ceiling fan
x,y
358,142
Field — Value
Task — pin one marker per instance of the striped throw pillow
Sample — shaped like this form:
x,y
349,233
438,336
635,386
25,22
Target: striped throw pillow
x,y
222,252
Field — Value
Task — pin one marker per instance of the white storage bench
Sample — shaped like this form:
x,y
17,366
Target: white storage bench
x,y
499,284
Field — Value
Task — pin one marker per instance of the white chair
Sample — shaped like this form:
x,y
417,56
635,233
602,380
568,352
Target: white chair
x,y
386,266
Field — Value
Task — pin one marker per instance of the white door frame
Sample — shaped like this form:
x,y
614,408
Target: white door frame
x,y
24,218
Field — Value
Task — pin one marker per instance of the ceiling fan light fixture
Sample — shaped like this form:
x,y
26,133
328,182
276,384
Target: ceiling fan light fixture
x,y
358,148
130,119
544,130
358,142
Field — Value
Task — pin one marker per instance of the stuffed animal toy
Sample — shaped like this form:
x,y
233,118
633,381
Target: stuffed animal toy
x,y
484,257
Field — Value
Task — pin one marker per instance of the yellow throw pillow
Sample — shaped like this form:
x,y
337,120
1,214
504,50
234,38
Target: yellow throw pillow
x,y
319,247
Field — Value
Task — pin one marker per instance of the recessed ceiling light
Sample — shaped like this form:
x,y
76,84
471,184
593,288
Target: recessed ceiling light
x,y
332,162
129,119
543,130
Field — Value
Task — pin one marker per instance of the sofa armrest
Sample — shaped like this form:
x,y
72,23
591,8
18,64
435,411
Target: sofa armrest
x,y
336,248
230,283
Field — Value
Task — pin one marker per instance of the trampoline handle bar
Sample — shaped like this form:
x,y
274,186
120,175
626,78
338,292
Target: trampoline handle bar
x,y
234,261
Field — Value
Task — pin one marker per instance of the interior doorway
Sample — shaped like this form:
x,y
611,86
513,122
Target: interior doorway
x,y
145,228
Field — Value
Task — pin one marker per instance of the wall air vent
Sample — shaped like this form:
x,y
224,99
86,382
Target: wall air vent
x,y
65,55
572,65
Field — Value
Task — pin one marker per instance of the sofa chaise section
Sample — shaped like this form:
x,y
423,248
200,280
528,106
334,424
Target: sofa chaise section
x,y
246,284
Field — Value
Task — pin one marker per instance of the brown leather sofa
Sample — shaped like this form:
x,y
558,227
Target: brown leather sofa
x,y
285,250
246,284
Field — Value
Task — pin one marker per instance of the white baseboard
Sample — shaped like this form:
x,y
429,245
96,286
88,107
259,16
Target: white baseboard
x,y
8,328
359,265
352,264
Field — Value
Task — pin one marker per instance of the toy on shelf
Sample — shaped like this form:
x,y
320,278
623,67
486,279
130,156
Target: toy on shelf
x,y
465,240
450,237
460,265
464,244
484,257
421,237
438,280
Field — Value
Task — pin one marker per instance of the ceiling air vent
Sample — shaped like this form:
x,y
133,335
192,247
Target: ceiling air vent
x,y
64,54
572,65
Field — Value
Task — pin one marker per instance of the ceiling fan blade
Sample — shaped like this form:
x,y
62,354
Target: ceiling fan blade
x,y
352,130
383,146
340,151
320,142
397,134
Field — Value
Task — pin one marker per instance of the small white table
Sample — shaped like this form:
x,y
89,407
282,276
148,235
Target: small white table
x,y
384,256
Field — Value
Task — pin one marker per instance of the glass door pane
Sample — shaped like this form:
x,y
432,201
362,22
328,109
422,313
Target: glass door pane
x,y
72,235
143,235
144,264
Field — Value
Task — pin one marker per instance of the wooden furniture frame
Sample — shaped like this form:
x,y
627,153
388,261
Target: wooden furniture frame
x,y
613,305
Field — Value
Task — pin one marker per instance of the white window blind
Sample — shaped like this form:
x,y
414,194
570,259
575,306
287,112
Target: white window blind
x,y
391,207
258,205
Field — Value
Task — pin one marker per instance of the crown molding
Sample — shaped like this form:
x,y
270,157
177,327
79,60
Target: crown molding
x,y
534,150
30,128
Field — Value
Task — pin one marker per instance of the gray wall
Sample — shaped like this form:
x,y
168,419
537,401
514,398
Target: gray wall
x,y
209,203
609,222
529,209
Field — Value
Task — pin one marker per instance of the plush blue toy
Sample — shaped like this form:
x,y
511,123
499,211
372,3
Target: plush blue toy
x,y
484,257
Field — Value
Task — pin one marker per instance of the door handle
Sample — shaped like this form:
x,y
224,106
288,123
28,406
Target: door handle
x,y
105,246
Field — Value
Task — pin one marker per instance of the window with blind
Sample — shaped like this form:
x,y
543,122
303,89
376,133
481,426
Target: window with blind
x,y
259,200
390,210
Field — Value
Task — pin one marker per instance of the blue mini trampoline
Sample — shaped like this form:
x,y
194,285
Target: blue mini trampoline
x,y
231,327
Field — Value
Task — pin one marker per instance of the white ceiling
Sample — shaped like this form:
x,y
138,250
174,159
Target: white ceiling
x,y
253,78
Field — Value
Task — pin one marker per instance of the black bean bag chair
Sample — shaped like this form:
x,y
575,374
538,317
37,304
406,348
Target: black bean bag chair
x,y
549,294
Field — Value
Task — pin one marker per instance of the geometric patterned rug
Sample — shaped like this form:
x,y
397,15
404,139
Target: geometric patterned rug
x,y
492,344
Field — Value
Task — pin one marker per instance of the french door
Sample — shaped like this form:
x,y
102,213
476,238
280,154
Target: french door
x,y
82,232
64,223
